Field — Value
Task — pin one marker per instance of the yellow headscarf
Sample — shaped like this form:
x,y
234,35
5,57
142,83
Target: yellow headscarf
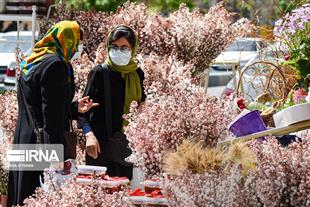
x,y
62,39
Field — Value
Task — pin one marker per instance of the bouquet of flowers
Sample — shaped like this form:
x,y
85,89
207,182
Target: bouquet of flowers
x,y
8,113
73,193
202,176
294,30
276,176
174,109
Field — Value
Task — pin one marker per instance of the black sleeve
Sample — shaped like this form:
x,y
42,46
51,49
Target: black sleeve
x,y
91,90
53,92
74,104
141,76
74,110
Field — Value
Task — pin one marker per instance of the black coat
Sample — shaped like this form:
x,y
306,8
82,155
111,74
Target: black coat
x,y
95,118
49,94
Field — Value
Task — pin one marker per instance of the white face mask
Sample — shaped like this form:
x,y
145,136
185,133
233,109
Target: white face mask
x,y
78,53
119,57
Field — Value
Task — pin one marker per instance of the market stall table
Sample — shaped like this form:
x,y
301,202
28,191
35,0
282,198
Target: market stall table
x,y
274,131
235,64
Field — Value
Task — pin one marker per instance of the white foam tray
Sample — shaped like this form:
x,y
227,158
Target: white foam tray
x,y
90,170
151,184
292,115
105,183
143,200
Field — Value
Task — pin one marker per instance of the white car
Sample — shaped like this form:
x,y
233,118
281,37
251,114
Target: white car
x,y
239,52
255,84
7,56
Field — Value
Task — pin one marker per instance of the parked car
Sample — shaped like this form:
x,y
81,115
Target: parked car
x,y
7,56
273,53
239,52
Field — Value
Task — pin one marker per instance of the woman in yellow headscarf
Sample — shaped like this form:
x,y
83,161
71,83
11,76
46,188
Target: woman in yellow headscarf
x,y
45,93
114,85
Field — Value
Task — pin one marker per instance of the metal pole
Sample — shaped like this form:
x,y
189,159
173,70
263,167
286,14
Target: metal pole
x,y
239,72
207,80
34,15
233,66
18,32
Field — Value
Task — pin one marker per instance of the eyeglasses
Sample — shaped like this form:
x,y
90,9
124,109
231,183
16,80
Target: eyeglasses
x,y
124,48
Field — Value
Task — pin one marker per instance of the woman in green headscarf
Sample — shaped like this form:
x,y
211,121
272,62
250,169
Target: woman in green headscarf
x,y
45,93
114,85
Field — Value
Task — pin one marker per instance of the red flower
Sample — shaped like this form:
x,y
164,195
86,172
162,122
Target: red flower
x,y
287,57
240,103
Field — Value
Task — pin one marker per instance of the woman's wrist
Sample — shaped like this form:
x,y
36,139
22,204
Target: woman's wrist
x,y
89,134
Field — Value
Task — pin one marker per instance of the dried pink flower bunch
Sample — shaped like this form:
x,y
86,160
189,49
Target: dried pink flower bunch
x,y
4,173
166,75
80,152
192,37
305,134
281,178
132,14
89,20
162,122
81,67
214,188
198,38
175,109
73,193
208,176
8,113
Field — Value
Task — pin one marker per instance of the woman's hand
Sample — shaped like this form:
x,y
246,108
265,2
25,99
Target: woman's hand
x,y
85,104
92,145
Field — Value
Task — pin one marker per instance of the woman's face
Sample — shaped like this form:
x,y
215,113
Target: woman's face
x,y
121,44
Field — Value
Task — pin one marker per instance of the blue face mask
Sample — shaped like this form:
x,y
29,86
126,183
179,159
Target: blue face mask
x,y
120,57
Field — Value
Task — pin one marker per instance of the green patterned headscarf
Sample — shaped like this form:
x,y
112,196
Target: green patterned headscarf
x,y
62,39
133,89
